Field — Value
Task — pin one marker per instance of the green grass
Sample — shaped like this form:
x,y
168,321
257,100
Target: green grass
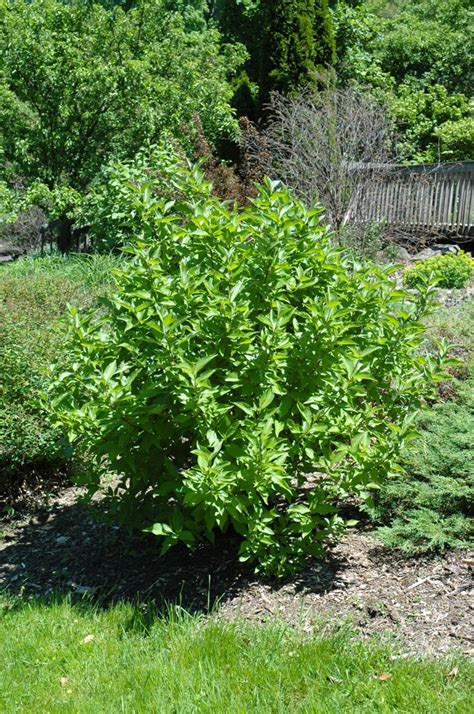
x,y
34,294
136,662
91,270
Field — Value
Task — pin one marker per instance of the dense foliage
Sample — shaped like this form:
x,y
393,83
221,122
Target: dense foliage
x,y
297,41
242,356
417,57
289,42
289,47
453,270
247,373
114,207
7,205
80,84
429,506
86,83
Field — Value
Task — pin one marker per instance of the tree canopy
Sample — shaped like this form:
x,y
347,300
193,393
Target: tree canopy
x,y
416,56
81,82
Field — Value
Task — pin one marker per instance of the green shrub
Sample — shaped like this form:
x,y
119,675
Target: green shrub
x,y
34,294
452,270
7,204
116,207
247,373
456,139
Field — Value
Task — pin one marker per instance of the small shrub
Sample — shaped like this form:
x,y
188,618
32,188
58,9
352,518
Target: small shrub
x,y
429,505
29,337
450,271
247,373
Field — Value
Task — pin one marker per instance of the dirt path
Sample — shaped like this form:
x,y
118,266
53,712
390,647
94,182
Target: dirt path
x,y
426,602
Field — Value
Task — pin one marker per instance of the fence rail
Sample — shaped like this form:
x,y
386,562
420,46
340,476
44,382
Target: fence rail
x,y
421,198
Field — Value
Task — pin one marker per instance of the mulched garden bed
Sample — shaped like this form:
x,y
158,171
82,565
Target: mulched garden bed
x,y
63,549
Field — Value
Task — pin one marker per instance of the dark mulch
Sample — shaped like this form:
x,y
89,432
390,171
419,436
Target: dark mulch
x,y
63,548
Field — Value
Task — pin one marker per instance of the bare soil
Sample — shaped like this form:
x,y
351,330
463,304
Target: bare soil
x,y
63,548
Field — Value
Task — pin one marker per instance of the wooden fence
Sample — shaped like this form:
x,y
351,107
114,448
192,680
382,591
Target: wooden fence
x,y
425,198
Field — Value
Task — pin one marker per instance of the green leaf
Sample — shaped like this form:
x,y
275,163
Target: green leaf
x,y
266,399
110,370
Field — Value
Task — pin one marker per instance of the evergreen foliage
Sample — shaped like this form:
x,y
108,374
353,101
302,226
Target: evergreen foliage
x,y
324,37
288,55
289,42
429,505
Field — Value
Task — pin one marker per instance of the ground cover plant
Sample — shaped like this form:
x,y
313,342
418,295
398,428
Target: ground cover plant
x,y
247,374
34,294
428,506
58,657
452,270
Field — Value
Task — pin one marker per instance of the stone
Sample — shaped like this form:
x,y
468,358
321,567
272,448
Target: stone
x,y
403,255
9,253
435,250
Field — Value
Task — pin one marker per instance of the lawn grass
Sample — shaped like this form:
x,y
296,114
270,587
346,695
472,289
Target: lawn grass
x,y
60,657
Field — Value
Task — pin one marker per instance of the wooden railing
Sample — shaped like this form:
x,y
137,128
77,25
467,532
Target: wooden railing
x,y
438,199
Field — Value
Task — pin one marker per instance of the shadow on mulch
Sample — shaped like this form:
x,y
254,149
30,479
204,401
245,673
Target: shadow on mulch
x,y
66,550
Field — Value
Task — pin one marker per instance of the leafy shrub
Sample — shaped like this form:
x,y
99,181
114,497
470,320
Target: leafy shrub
x,y
456,140
7,204
416,58
118,203
453,270
428,506
247,373
33,298
114,211
420,113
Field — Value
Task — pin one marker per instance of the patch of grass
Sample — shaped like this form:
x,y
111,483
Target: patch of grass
x,y
34,293
92,270
430,506
64,658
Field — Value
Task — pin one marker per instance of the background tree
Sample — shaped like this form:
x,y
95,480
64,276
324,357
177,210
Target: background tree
x,y
415,56
288,41
82,84
288,48
324,38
